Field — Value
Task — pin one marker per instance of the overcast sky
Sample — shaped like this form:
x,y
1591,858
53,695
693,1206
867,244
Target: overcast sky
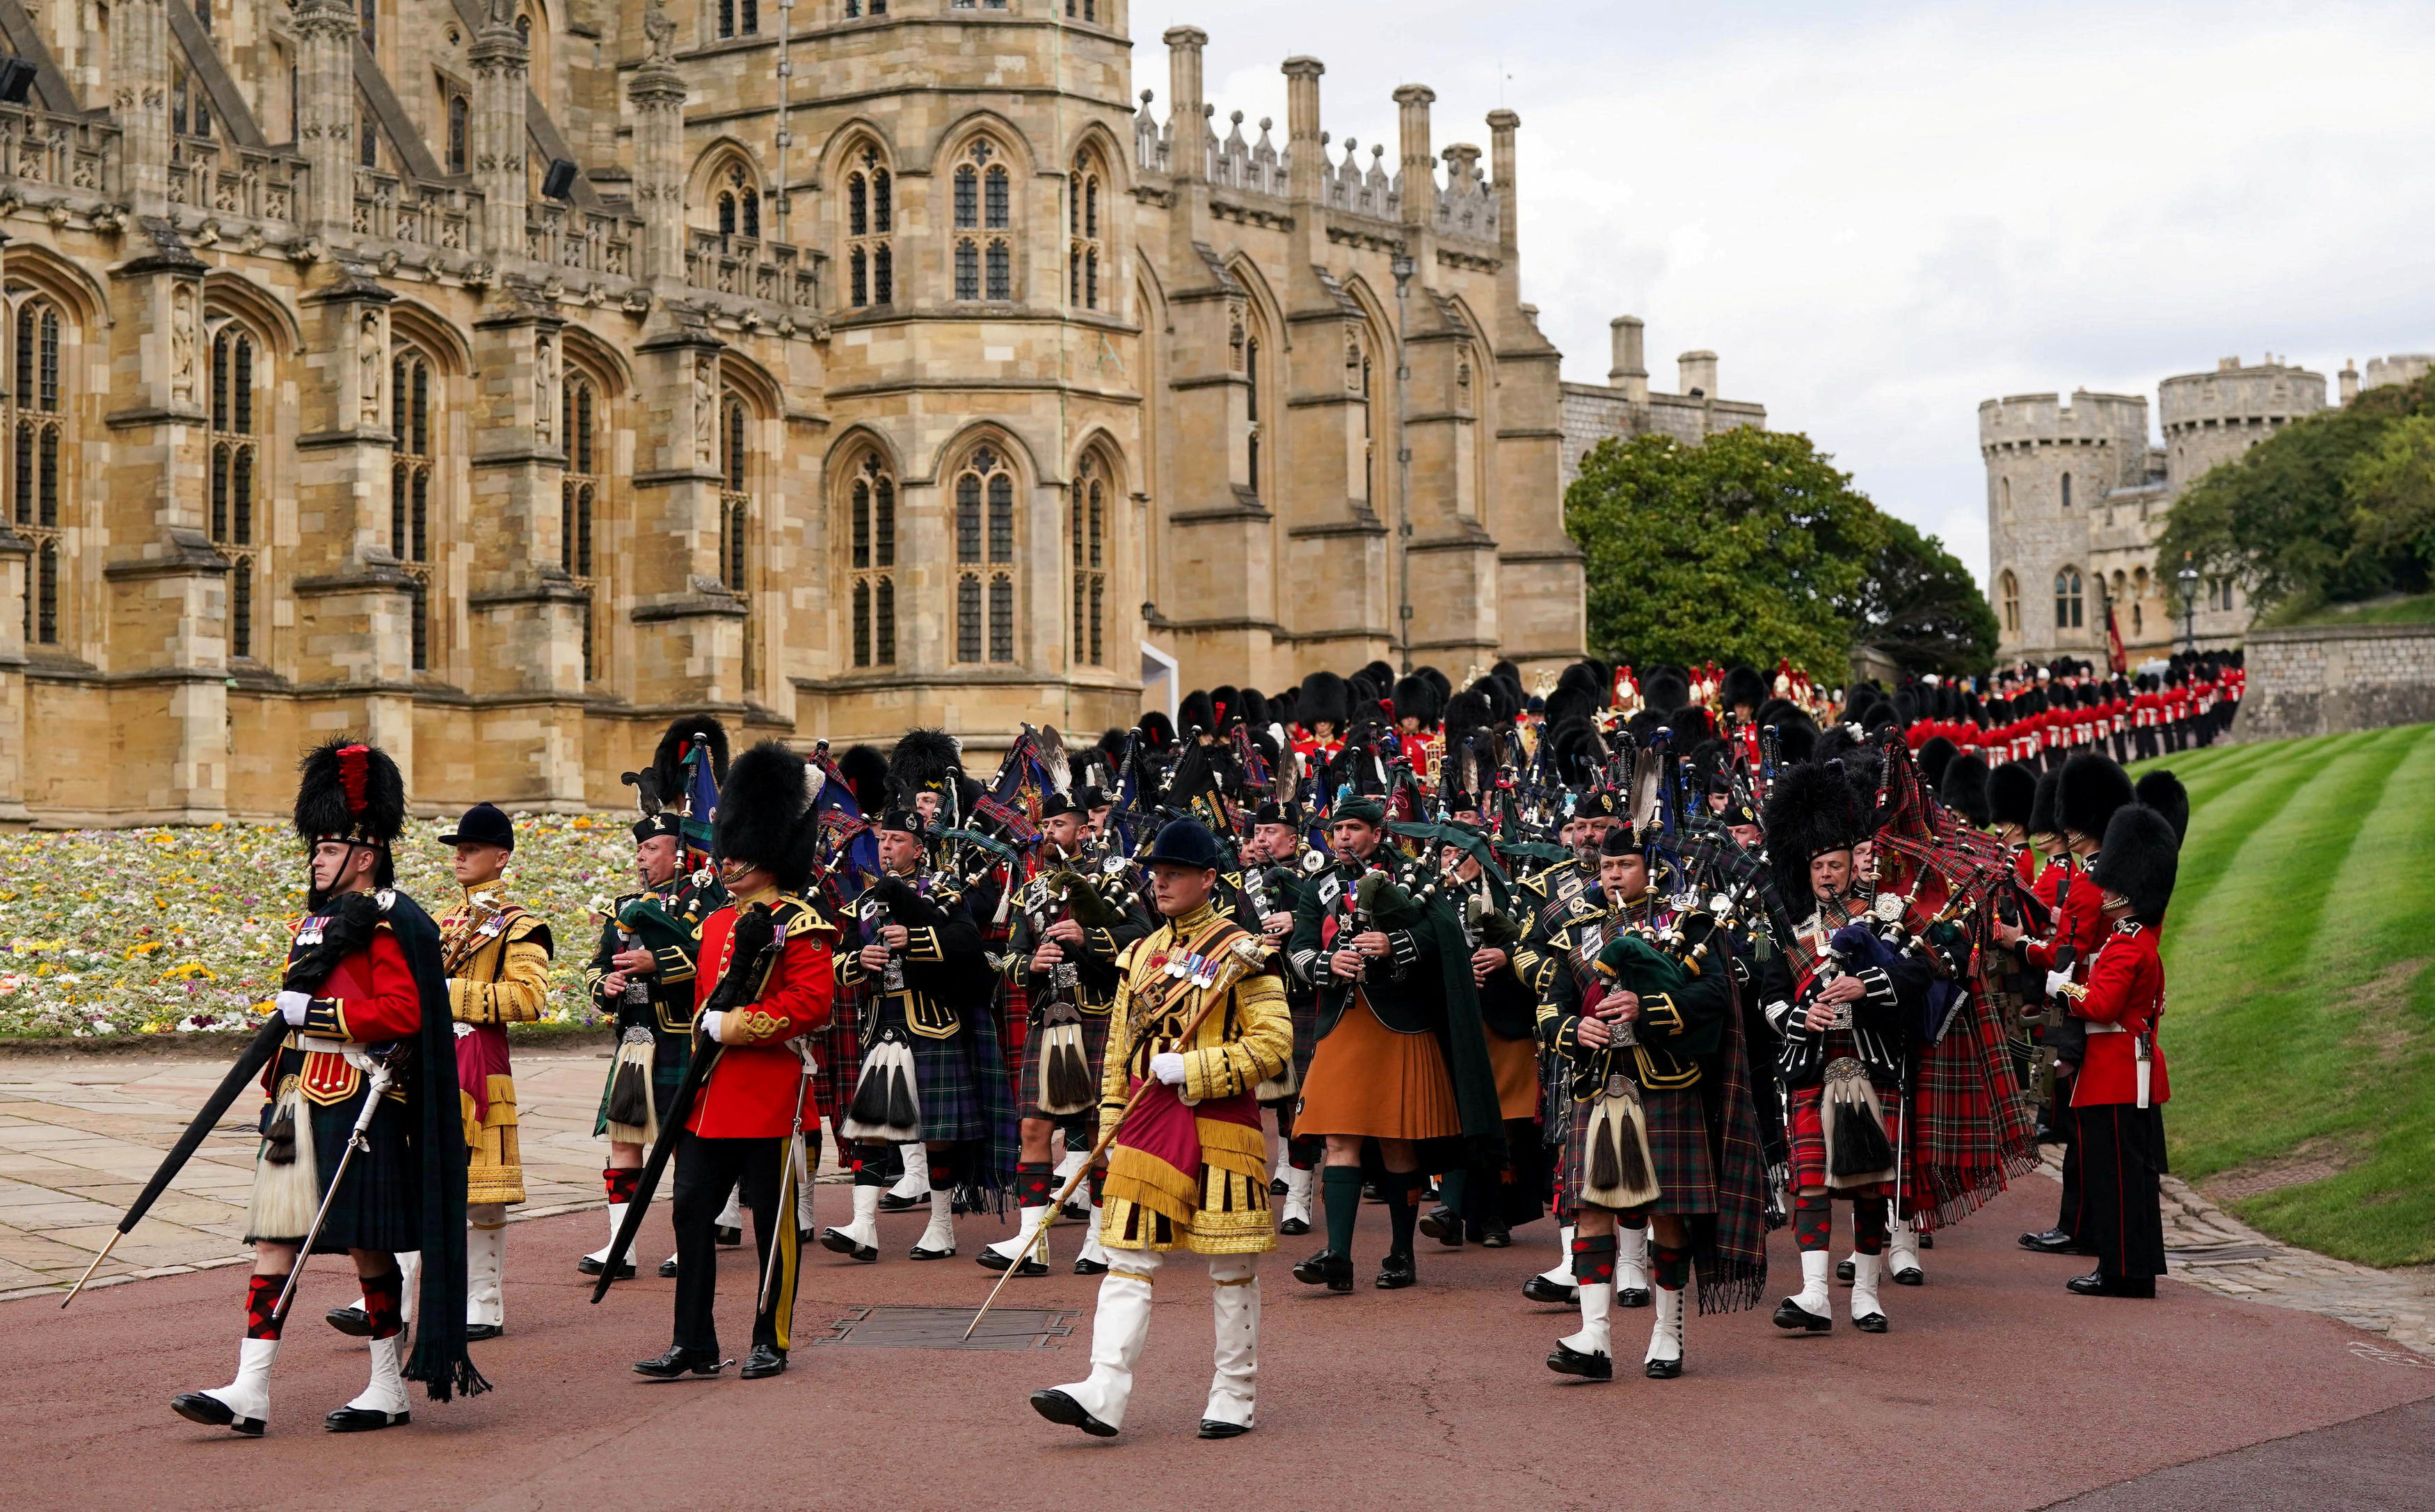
x,y
1881,213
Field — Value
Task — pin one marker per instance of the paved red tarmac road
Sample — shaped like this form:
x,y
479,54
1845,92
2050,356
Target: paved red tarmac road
x,y
1433,1395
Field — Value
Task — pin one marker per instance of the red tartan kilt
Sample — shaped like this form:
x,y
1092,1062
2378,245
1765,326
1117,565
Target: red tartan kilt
x,y
1014,1022
840,1049
1806,1140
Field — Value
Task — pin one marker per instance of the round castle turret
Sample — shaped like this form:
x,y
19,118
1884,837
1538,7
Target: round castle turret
x,y
2211,418
2049,465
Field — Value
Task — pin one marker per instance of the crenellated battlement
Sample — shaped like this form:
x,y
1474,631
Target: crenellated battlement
x,y
2030,420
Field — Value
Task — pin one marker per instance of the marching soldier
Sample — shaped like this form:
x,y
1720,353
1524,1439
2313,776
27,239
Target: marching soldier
x,y
1276,866
1198,1023
642,976
1068,936
370,1057
765,981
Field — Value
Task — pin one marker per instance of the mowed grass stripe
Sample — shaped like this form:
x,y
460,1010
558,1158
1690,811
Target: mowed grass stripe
x,y
2225,819
2368,992
2237,947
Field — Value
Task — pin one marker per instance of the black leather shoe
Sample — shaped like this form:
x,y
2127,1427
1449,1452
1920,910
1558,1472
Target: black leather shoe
x,y
1076,1213
1328,1268
1873,1323
213,1413
1090,1268
1293,1227
838,1241
992,1260
679,1361
1396,1272
590,1267
1632,1297
477,1333
764,1360
1910,1276
1790,1315
1662,1369
1843,1271
1212,1428
1928,1241
730,1238
2053,1241
1059,1408
349,1321
1276,1186
668,1268
1539,1289
1443,1226
920,1253
2096,1283
890,1202
365,1421
1499,1237
1566,1361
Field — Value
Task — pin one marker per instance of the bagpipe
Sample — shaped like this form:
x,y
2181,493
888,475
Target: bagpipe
x,y
1094,902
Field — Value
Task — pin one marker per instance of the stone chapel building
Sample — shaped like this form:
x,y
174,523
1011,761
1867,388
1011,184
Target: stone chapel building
x,y
496,378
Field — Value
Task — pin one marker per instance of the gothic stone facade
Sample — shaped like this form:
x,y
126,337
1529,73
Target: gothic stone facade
x,y
496,382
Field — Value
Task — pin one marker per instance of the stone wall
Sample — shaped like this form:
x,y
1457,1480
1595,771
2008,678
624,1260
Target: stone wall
x,y
2328,679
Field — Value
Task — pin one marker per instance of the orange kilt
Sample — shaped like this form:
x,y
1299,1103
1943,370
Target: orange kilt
x,y
1367,1080
1516,1063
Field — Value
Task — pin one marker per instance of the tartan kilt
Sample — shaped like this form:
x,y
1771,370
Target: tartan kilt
x,y
380,1207
1026,1090
1678,1150
948,1087
838,1049
1804,1130
670,1054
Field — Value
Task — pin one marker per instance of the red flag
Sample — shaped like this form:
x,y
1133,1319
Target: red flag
x,y
2115,660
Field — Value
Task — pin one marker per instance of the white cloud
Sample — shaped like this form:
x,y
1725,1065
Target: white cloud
x,y
1881,214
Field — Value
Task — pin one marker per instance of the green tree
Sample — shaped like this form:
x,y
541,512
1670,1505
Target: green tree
x,y
1922,607
2321,511
1749,547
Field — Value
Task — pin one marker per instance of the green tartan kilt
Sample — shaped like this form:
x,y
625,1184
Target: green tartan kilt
x,y
670,1054
1678,1152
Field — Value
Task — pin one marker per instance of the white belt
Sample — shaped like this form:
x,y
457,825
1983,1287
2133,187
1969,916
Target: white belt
x,y
2106,1028
355,1053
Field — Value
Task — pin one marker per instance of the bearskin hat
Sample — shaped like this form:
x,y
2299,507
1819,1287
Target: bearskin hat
x,y
1578,751
2139,858
1325,699
1365,697
2162,791
1796,738
1157,731
1664,688
2042,804
1644,725
924,761
2011,791
1934,754
2092,788
1964,788
1255,709
1196,712
1692,723
1438,681
667,762
763,815
1225,707
351,790
1584,679
1744,688
1604,672
865,777
1502,668
1468,711
1381,675
1417,697
1564,705
1811,810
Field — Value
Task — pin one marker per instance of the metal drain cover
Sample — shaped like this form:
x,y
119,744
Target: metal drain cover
x,y
943,1328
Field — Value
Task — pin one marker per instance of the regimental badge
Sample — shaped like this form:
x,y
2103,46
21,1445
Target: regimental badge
x,y
1887,906
1313,863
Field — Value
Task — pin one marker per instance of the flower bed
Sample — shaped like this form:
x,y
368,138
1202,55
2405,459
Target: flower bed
x,y
167,931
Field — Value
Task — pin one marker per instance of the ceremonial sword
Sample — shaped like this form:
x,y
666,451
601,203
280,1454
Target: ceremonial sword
x,y
356,1141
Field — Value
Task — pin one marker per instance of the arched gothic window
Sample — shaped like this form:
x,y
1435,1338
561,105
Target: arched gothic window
x,y
736,515
236,472
739,203
459,131
1251,409
869,218
1089,10
2068,614
1084,247
985,558
1090,545
39,461
871,564
983,202
1362,385
2008,589
579,505
412,504
855,8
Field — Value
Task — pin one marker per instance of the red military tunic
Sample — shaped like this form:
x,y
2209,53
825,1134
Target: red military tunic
x,y
2125,990
370,997
2079,921
752,1091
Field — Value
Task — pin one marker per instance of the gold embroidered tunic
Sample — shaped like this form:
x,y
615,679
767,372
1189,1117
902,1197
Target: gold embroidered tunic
x,y
498,974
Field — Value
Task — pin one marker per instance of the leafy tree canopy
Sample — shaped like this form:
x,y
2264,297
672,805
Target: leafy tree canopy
x,y
2333,509
1753,546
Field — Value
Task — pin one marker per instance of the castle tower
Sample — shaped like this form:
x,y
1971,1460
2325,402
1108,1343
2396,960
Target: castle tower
x,y
2211,418
2050,467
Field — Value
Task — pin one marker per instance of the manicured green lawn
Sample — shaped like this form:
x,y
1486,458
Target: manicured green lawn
x,y
2300,1024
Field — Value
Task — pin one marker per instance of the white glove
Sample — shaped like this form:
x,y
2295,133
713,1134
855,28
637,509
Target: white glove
x,y
2056,981
1167,1067
709,1022
292,1006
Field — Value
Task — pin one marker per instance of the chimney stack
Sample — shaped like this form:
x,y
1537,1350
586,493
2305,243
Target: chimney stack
x,y
2350,381
1412,103
1698,374
1630,371
1187,120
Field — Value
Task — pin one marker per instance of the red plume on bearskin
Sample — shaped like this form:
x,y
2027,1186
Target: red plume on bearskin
x,y
683,732
347,789
765,816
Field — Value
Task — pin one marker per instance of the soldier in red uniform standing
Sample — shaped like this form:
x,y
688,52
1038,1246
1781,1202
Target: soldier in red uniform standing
x,y
764,982
2119,1097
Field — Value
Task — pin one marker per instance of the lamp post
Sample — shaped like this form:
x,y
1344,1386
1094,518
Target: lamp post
x,y
1403,268
2188,577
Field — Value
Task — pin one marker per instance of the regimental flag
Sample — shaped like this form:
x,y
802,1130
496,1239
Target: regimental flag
x,y
2115,658
699,803
849,846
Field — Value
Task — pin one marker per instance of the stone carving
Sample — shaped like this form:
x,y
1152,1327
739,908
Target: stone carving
x,y
544,386
184,342
705,408
371,349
